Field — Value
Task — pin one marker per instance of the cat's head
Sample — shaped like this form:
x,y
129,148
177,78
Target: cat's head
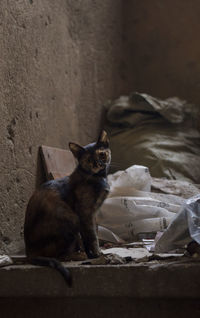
x,y
94,158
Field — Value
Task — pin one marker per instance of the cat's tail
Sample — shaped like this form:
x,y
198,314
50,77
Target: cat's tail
x,y
53,263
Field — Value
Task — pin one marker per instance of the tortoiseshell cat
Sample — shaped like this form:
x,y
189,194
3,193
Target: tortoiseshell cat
x,y
63,209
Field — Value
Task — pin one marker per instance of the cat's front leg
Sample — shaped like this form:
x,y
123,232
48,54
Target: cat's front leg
x,y
89,237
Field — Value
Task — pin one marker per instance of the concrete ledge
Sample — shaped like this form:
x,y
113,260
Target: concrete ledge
x,y
149,280
98,308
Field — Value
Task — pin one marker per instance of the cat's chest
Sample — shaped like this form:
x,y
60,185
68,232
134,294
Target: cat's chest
x,y
97,186
91,194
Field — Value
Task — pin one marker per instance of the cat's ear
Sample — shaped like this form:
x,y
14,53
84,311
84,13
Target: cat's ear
x,y
103,139
76,149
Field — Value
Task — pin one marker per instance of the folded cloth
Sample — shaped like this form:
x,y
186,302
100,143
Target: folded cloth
x,y
159,134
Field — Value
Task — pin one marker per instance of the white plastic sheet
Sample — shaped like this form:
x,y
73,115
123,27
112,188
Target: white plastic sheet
x,y
183,229
132,210
5,260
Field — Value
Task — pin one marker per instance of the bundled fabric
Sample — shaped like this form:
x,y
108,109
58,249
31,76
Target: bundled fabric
x,y
159,134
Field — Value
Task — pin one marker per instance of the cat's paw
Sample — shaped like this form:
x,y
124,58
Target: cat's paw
x,y
95,254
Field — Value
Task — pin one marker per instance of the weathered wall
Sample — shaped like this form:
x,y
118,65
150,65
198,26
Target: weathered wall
x,y
59,61
163,47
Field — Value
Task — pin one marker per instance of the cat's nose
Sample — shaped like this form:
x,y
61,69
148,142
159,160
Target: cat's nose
x,y
102,156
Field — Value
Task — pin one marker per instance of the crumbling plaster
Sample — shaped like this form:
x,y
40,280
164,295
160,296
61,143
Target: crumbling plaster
x,y
59,62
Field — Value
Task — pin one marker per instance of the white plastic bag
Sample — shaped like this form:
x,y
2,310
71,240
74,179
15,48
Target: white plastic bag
x,y
138,212
137,177
184,228
193,216
127,216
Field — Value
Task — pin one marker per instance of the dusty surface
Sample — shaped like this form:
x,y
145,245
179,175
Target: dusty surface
x,y
57,69
156,279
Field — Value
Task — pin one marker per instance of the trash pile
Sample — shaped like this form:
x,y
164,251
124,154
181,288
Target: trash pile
x,y
145,225
155,208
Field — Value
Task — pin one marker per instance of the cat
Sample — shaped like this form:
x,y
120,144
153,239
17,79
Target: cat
x,y
63,210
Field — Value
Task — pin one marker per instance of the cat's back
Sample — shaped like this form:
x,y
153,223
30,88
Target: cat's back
x,y
60,186
46,197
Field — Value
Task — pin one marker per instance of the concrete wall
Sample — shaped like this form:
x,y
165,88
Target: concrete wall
x,y
60,60
163,47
